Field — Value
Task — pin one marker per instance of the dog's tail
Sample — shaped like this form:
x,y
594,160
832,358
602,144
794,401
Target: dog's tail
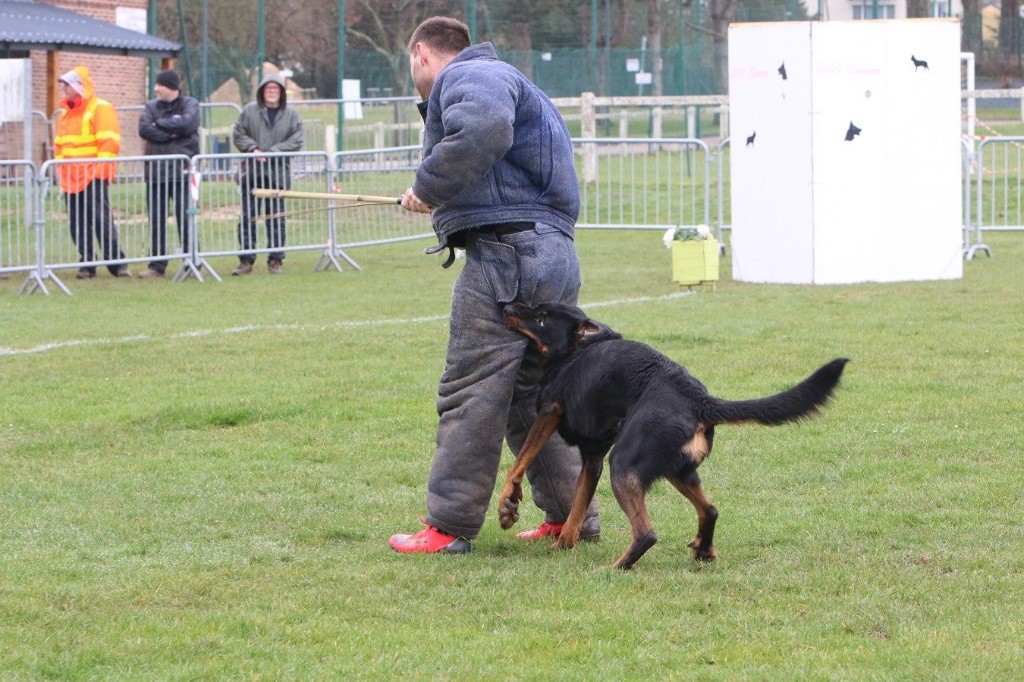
x,y
803,400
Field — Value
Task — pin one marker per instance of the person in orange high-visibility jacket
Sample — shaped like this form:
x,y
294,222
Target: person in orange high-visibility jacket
x,y
87,128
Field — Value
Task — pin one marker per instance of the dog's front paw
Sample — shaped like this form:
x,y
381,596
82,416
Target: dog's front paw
x,y
566,540
508,512
508,504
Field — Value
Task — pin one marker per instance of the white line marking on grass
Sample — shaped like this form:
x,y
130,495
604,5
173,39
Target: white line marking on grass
x,y
636,299
75,343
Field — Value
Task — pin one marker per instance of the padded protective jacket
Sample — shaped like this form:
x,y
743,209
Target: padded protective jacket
x,y
495,149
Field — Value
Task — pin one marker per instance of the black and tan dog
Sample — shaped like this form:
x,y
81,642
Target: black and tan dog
x,y
601,390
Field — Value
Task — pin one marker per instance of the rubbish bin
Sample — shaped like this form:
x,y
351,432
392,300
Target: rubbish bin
x,y
222,145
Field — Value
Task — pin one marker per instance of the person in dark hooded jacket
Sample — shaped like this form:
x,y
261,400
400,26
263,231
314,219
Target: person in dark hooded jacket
x,y
266,125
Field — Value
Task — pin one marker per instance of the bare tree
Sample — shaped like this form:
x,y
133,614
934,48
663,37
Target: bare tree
x,y
231,30
385,27
721,16
522,42
654,34
1009,27
971,33
304,37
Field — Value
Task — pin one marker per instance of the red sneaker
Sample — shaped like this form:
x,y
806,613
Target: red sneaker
x,y
429,540
544,530
590,532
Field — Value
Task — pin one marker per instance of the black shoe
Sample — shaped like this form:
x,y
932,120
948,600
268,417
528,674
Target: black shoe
x,y
591,529
85,273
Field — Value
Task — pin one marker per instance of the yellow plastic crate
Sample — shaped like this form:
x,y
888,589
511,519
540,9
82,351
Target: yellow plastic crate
x,y
695,261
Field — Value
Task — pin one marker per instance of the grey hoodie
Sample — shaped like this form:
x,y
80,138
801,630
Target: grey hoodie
x,y
253,130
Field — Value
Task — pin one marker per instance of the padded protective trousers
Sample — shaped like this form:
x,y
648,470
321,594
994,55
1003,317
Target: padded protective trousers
x,y
489,387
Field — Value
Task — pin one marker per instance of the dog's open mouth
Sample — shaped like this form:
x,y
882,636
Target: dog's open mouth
x,y
512,319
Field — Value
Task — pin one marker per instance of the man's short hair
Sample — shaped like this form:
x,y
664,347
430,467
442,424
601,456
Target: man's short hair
x,y
443,34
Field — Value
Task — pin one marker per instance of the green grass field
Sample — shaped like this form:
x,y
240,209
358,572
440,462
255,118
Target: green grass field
x,y
198,481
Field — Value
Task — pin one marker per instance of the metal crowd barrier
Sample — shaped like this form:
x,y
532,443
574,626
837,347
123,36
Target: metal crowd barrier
x,y
128,116
651,184
17,234
126,242
219,214
967,172
999,187
367,123
216,121
381,172
654,184
625,183
724,170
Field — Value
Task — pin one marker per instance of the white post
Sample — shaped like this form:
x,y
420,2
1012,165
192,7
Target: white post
x,y
588,129
331,140
26,93
968,60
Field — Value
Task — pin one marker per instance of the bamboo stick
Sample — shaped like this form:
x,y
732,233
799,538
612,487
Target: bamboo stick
x,y
291,194
307,211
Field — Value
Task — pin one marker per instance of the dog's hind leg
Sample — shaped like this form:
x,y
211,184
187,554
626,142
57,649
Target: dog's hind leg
x,y
590,474
512,493
707,515
630,496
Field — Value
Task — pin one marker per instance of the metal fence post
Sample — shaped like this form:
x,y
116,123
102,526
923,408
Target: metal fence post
x,y
37,278
972,249
720,223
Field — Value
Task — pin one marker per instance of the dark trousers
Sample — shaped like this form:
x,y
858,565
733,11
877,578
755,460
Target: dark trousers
x,y
89,218
253,208
489,388
160,194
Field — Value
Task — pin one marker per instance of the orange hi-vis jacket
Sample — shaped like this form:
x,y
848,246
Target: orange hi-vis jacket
x,y
89,129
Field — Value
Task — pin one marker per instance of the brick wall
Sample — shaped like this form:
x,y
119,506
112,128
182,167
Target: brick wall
x,y
119,80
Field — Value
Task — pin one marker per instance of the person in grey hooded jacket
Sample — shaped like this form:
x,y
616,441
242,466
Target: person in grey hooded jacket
x,y
497,177
266,125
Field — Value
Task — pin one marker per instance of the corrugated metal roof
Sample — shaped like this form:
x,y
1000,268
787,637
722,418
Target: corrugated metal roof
x,y
26,25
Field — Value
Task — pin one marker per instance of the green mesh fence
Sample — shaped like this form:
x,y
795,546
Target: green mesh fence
x,y
560,72
693,59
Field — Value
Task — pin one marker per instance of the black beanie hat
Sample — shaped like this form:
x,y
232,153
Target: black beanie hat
x,y
168,79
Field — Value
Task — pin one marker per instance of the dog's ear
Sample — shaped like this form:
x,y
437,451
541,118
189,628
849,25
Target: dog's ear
x,y
590,331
